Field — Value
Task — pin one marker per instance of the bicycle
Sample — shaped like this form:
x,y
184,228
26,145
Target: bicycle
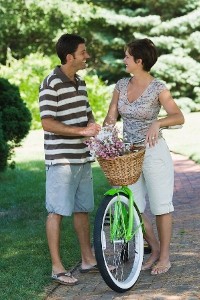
x,y
118,233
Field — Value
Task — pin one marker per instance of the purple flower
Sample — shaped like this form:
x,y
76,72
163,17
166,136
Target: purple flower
x,y
108,143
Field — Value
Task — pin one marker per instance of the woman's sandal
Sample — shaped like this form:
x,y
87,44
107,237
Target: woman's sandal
x,y
160,269
56,278
148,265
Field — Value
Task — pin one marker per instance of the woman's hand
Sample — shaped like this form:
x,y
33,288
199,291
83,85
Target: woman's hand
x,y
152,134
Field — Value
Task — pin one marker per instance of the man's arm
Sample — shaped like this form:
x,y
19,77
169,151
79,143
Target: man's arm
x,y
51,125
91,118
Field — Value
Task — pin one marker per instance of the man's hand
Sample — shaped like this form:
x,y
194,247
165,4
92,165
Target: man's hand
x,y
92,129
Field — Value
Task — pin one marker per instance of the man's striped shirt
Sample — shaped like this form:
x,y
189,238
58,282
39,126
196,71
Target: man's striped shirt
x,y
66,102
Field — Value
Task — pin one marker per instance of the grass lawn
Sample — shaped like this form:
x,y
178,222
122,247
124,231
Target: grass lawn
x,y
24,258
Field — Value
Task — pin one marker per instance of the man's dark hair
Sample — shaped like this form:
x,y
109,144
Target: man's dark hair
x,y
143,49
68,44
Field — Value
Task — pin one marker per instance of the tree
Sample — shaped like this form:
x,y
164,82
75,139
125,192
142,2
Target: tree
x,y
15,120
30,26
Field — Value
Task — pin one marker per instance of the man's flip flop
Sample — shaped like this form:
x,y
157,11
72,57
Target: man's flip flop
x,y
93,269
56,278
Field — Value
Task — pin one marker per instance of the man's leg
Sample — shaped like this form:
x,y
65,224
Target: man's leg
x,y
53,236
82,227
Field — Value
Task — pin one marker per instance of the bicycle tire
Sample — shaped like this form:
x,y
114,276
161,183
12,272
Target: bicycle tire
x,y
109,253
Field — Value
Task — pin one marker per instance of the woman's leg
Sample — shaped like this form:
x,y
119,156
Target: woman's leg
x,y
151,239
159,178
164,227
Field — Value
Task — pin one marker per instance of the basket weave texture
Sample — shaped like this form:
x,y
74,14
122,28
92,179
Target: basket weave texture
x,y
123,170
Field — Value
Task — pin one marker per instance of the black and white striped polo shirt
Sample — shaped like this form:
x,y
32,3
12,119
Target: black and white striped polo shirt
x,y
61,99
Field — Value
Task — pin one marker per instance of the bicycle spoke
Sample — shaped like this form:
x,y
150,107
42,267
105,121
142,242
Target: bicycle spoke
x,y
119,260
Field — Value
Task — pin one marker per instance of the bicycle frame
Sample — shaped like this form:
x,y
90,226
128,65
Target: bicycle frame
x,y
128,229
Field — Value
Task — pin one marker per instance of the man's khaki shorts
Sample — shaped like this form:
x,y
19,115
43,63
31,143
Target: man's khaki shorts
x,y
69,189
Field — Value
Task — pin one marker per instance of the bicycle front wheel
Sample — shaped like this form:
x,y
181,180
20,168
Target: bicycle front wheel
x,y
119,261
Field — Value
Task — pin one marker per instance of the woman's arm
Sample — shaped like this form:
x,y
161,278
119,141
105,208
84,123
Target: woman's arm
x,y
174,114
174,117
113,113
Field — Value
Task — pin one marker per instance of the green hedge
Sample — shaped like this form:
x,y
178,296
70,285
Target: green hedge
x,y
15,120
28,73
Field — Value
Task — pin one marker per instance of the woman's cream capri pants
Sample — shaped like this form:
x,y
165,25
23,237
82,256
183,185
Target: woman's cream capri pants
x,y
156,180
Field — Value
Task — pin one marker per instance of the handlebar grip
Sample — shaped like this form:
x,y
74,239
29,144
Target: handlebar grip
x,y
173,127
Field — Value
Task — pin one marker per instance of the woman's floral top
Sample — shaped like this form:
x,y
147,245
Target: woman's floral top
x,y
139,115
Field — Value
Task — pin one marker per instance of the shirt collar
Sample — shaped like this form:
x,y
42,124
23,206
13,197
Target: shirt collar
x,y
64,77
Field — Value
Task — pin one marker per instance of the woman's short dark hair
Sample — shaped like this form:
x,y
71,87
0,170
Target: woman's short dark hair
x,y
68,44
143,49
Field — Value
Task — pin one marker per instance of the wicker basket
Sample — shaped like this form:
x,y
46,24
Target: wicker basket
x,y
123,170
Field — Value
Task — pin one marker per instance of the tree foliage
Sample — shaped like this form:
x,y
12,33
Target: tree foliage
x,y
27,73
30,28
33,25
15,120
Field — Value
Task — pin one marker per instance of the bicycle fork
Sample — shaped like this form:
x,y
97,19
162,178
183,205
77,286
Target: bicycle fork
x,y
122,225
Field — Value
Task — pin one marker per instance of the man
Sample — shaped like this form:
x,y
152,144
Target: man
x,y
67,119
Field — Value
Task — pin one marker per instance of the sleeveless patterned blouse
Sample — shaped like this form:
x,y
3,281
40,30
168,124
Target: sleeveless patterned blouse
x,y
141,113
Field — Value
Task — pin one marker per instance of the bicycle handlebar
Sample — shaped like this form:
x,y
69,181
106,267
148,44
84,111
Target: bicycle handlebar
x,y
172,127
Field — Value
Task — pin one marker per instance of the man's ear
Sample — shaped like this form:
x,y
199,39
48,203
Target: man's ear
x,y
69,57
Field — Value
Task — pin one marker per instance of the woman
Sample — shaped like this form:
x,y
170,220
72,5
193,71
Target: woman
x,y
138,100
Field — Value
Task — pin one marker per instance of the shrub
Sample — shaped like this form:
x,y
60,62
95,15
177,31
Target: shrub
x,y
15,120
27,74
99,96
187,105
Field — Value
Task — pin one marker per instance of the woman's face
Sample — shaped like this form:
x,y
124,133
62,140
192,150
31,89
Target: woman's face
x,y
129,62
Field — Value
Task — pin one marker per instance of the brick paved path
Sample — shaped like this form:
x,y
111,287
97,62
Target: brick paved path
x,y
182,282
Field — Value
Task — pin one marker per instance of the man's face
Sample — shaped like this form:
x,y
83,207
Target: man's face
x,y
80,57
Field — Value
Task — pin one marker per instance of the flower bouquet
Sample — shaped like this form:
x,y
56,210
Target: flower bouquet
x,y
108,143
120,161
